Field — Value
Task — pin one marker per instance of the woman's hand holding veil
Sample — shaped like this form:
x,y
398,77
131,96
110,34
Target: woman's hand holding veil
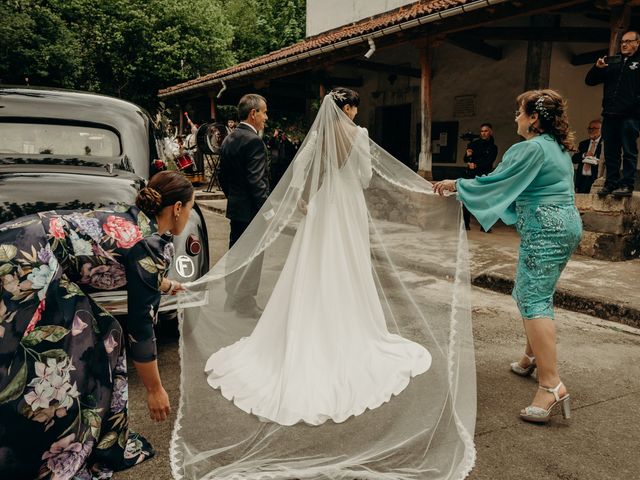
x,y
443,187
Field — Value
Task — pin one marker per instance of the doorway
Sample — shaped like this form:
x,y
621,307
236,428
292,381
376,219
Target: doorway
x,y
393,132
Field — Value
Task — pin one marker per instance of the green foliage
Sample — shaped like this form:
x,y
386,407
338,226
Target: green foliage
x,y
133,48
38,45
262,26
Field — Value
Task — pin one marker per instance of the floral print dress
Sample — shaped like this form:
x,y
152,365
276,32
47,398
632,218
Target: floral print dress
x,y
63,372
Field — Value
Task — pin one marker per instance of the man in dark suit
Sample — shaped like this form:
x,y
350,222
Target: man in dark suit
x,y
244,180
586,158
479,157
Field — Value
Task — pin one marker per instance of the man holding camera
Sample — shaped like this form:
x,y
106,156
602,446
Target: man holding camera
x,y
620,75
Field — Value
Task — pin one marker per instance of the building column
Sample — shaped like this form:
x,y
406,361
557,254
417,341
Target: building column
x,y
538,67
425,168
213,112
620,20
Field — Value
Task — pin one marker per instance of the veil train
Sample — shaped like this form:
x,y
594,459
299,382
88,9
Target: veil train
x,y
361,365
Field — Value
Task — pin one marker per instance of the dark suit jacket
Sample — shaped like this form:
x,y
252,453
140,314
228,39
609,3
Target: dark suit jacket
x,y
484,154
583,182
243,173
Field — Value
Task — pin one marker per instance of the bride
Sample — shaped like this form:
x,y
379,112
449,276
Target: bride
x,y
361,365
321,349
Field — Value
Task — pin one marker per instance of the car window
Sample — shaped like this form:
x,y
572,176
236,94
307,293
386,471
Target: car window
x,y
51,139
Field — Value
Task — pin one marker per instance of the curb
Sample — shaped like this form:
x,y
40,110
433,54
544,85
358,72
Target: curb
x,y
596,307
211,208
593,306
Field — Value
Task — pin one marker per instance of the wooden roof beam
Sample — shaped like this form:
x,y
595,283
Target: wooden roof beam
x,y
383,67
545,34
476,45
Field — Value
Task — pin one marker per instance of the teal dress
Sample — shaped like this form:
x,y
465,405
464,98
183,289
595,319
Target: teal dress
x,y
532,188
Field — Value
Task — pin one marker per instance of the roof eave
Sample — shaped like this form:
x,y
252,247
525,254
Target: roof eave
x,y
363,38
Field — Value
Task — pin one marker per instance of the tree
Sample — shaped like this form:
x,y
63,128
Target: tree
x,y
126,48
37,45
263,26
133,48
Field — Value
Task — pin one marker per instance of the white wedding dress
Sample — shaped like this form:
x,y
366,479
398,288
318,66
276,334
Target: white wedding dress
x,y
321,349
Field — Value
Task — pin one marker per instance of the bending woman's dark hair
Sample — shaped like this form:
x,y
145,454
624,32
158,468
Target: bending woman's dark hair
x,y
345,96
551,108
164,189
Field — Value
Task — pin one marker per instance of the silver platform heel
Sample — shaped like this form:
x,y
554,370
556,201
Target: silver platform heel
x,y
524,372
540,415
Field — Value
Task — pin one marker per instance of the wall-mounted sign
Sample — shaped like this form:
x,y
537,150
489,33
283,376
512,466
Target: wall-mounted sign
x,y
464,106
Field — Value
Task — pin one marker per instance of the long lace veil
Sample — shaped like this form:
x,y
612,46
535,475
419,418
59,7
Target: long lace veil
x,y
419,265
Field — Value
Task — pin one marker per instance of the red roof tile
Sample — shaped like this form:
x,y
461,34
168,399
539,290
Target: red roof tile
x,y
363,27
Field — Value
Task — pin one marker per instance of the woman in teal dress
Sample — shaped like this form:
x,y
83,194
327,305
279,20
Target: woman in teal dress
x,y
533,189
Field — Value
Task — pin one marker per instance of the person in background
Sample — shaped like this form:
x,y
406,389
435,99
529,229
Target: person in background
x,y
479,157
586,158
231,125
620,114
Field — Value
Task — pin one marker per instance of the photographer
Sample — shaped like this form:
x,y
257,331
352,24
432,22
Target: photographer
x,y
620,75
479,157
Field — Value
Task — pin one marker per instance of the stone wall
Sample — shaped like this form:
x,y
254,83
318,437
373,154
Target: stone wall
x,y
611,226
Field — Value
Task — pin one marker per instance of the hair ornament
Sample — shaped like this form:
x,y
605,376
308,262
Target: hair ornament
x,y
338,95
542,110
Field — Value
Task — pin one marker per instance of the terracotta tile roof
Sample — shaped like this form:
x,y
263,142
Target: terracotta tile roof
x,y
363,27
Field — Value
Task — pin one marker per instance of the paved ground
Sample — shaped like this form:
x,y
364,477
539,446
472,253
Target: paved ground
x,y
595,287
599,361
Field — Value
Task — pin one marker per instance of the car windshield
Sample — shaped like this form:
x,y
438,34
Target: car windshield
x,y
52,139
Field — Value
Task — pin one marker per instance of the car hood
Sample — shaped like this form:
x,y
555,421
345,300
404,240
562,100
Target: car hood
x,y
27,189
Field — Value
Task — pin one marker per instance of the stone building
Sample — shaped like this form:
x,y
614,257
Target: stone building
x,y
430,70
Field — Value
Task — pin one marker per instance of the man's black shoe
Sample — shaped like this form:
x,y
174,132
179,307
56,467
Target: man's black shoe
x,y
604,191
622,192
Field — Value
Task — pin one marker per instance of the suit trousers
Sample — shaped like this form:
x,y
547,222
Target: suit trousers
x,y
242,285
620,135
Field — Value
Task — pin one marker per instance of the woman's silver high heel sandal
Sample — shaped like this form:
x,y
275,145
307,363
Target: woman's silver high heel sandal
x,y
524,372
540,415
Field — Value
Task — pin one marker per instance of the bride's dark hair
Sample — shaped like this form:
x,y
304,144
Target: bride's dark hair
x,y
345,96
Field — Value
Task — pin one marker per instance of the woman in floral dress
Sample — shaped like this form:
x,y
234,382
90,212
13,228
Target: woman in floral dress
x,y
63,373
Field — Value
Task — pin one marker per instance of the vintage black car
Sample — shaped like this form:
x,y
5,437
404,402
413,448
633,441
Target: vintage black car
x,y
64,150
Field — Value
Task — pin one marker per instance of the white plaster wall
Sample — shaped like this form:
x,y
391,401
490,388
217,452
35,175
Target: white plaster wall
x,y
456,72
585,103
323,15
495,84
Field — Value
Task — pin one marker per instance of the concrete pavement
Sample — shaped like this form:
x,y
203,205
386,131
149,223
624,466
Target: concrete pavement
x,y
608,290
599,362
